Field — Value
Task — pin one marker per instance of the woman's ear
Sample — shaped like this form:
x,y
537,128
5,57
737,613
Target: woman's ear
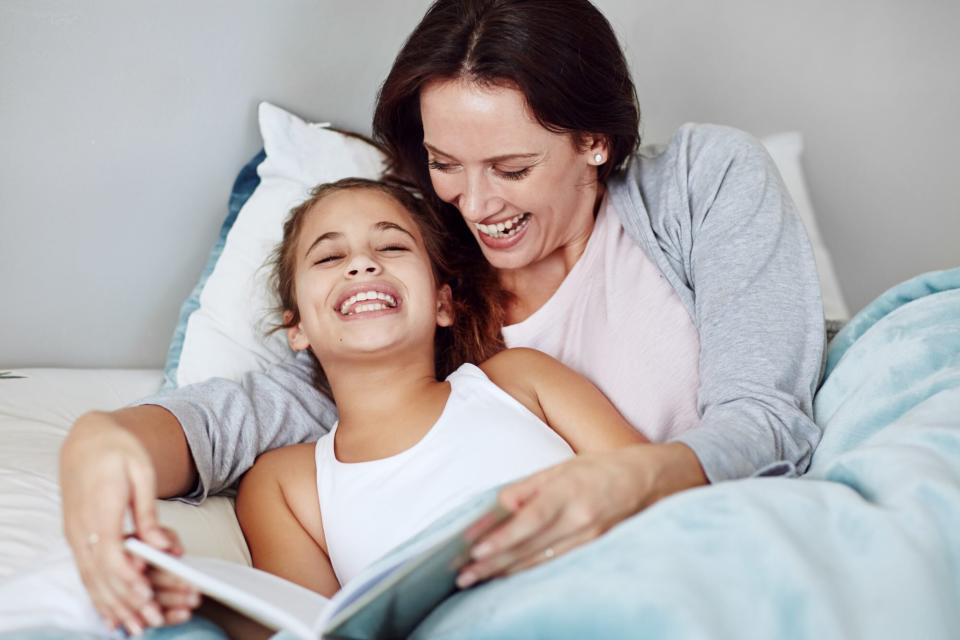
x,y
296,338
445,314
598,150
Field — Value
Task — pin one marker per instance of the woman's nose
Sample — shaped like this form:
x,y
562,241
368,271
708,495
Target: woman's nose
x,y
477,203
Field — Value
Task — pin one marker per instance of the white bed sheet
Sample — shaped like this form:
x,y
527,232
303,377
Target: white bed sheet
x,y
36,413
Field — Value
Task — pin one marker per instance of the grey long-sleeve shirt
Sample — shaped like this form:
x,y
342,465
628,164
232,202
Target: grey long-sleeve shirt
x,y
712,212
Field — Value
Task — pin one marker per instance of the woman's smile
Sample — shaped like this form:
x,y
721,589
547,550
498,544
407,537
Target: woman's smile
x,y
505,234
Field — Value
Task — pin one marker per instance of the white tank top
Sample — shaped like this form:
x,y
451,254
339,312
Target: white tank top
x,y
484,437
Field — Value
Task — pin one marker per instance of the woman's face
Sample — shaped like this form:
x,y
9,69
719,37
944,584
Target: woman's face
x,y
524,191
363,279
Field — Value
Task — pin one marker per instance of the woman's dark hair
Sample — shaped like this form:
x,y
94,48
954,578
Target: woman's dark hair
x,y
478,301
561,54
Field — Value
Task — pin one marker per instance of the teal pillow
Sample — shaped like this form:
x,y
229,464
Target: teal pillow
x,y
243,187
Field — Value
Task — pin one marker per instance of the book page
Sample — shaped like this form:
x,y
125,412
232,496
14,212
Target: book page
x,y
392,601
264,597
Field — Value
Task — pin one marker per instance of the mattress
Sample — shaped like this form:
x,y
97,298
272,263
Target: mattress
x,y
36,412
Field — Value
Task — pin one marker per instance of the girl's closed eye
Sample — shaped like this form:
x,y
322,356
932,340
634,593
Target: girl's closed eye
x,y
327,259
393,247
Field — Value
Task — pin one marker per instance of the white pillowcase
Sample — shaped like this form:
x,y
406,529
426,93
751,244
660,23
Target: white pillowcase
x,y
786,150
225,335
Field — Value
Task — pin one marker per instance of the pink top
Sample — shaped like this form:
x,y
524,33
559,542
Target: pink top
x,y
617,321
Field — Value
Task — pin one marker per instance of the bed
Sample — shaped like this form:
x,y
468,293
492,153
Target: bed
x,y
37,408
865,545
741,559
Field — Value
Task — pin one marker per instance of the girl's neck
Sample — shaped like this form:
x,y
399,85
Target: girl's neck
x,y
385,407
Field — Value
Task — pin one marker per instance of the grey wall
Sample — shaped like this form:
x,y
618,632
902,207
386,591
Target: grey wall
x,y
123,124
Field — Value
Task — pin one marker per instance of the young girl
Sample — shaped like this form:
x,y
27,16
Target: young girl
x,y
368,282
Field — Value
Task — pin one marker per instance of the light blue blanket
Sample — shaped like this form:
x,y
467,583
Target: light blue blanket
x,y
865,545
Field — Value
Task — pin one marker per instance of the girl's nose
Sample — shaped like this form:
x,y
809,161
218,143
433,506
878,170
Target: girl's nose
x,y
368,269
362,264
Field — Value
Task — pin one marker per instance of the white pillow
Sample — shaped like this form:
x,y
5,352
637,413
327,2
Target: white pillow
x,y
225,335
786,149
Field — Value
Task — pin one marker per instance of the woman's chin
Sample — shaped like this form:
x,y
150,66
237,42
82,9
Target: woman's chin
x,y
515,257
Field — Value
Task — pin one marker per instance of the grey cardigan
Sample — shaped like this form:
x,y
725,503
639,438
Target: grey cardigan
x,y
711,211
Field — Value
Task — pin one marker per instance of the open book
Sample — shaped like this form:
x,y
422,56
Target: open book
x,y
388,604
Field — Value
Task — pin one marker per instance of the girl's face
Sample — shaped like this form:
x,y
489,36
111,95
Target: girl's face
x,y
363,280
524,191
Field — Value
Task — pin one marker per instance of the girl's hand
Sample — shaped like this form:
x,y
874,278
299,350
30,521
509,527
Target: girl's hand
x,y
104,470
176,597
576,501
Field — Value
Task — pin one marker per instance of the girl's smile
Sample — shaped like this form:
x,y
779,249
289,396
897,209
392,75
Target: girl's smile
x,y
367,300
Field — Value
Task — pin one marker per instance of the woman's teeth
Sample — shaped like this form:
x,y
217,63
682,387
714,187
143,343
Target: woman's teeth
x,y
372,301
505,229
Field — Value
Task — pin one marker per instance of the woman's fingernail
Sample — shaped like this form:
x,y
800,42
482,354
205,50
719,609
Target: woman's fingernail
x,y
179,616
465,580
482,550
152,615
135,629
157,539
143,591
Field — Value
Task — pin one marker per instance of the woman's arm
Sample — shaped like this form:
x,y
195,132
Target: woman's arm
x,y
576,409
279,511
109,462
186,442
741,247
757,305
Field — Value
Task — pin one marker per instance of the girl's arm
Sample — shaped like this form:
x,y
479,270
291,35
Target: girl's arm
x,y
279,512
564,399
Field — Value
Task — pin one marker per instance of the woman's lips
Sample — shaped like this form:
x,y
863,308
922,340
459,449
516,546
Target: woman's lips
x,y
507,242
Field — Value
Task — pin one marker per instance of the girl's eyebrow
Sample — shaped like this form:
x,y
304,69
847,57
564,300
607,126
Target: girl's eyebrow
x,y
384,225
329,235
500,158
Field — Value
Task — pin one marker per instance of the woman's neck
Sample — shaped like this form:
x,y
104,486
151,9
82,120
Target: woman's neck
x,y
531,286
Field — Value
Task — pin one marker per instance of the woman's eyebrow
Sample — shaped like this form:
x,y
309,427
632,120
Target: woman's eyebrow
x,y
500,158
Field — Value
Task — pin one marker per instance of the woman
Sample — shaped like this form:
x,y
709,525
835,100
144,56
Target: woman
x,y
679,280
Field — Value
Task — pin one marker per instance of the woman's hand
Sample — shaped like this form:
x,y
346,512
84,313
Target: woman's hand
x,y
176,597
104,469
576,501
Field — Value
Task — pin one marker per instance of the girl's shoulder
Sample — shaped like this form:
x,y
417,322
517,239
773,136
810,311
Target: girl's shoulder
x,y
516,362
516,371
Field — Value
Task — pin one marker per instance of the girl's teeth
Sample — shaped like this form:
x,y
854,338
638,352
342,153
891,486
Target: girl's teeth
x,y
384,301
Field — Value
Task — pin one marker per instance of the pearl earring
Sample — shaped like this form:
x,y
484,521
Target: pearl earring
x,y
598,158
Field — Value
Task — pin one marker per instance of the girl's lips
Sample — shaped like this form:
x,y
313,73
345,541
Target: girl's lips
x,y
504,243
369,315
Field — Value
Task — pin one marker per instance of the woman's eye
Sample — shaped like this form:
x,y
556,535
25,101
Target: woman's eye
x,y
514,175
393,247
330,258
440,166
